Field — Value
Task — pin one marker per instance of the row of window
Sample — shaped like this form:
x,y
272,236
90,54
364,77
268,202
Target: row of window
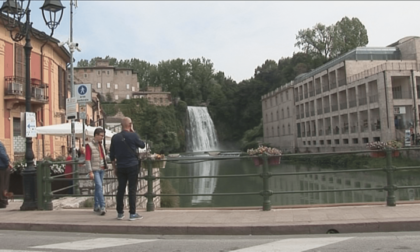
x,y
305,92
337,141
116,72
277,115
126,97
278,131
108,85
284,96
107,72
345,100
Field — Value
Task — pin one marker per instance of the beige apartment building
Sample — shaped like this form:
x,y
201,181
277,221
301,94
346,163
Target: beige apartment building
x,y
369,94
116,83
155,96
48,93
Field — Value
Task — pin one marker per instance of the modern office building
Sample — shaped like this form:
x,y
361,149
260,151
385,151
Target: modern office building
x,y
369,94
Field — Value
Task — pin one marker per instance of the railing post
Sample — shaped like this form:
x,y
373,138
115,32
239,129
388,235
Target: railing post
x,y
76,188
39,185
150,207
48,198
266,193
390,188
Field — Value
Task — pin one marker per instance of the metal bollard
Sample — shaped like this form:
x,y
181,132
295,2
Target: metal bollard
x,y
40,185
266,193
390,187
76,182
47,187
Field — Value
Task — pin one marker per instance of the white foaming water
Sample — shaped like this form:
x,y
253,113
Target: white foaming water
x,y
202,137
204,185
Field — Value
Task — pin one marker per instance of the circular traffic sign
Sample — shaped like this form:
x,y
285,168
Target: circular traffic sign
x,y
82,89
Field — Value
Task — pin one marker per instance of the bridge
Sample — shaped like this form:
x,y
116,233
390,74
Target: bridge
x,y
391,214
321,219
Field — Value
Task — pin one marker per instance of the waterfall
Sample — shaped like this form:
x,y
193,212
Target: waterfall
x,y
201,136
201,133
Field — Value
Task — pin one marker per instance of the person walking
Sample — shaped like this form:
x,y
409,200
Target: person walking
x,y
125,164
96,164
5,169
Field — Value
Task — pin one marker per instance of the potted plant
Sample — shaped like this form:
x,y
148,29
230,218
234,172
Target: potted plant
x,y
160,161
274,155
393,145
18,166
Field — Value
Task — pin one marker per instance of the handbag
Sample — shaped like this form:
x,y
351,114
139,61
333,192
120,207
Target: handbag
x,y
105,164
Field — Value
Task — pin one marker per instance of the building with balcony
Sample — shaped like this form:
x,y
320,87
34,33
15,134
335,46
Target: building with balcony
x,y
368,94
48,92
155,96
114,83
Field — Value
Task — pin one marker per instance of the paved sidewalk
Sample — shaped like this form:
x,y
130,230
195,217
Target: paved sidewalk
x,y
313,220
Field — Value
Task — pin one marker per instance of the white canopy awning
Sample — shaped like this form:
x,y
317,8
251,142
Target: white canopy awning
x,y
65,129
61,129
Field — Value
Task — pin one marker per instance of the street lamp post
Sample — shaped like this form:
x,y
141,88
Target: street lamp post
x,y
14,12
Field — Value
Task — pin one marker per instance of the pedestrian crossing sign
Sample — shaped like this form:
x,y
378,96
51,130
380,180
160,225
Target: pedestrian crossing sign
x,y
83,93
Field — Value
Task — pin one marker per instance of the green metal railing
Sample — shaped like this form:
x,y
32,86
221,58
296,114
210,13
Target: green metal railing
x,y
45,194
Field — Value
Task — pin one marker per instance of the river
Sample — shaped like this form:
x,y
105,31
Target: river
x,y
202,138
279,184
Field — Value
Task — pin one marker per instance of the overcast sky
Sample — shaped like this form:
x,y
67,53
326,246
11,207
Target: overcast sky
x,y
235,36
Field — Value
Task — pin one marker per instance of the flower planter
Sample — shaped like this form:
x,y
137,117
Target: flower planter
x,y
377,154
258,161
271,160
274,160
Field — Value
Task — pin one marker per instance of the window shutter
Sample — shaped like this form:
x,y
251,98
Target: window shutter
x,y
19,61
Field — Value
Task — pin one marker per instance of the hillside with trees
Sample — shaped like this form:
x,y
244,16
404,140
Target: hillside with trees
x,y
234,107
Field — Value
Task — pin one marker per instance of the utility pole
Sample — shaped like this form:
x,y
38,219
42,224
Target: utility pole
x,y
73,133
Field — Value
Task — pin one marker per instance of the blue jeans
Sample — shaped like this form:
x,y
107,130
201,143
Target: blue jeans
x,y
124,175
98,178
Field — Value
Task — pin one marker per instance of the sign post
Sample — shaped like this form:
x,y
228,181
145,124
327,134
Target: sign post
x,y
82,111
71,112
82,115
30,124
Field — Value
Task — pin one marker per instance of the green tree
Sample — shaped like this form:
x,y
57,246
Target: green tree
x,y
222,107
327,42
108,97
249,140
112,61
268,72
348,34
316,41
82,63
202,77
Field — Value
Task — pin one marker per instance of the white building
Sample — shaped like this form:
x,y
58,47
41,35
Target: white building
x,y
368,94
